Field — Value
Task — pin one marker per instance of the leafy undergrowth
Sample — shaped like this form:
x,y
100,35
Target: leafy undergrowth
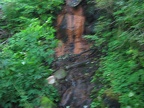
x,y
26,56
119,33
23,67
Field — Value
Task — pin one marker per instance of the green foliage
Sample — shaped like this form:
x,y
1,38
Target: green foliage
x,y
18,12
47,103
25,57
120,34
24,65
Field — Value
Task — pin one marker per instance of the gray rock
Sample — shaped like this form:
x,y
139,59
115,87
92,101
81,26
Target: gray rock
x,y
73,3
60,74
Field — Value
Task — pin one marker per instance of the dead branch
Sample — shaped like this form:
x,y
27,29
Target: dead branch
x,y
77,64
4,42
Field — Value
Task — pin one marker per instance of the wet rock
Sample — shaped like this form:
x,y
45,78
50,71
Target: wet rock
x,y
75,90
51,79
73,3
60,74
66,97
85,106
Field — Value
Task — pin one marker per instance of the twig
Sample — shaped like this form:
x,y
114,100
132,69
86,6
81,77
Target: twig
x,y
74,56
82,53
4,42
77,64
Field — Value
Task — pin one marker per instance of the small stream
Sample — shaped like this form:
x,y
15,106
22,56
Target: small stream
x,y
75,88
70,29
74,59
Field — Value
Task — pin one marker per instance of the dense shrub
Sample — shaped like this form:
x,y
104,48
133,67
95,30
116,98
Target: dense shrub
x,y
18,12
24,66
26,56
119,33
